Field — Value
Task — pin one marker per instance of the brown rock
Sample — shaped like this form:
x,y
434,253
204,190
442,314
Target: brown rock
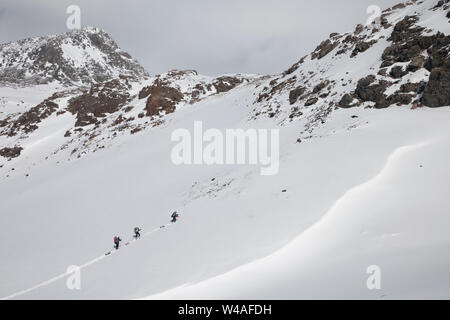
x,y
323,49
162,99
346,101
416,63
103,98
362,46
311,101
11,152
295,94
437,91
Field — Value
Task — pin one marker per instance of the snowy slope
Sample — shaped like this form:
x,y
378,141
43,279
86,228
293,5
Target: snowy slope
x,y
397,220
361,166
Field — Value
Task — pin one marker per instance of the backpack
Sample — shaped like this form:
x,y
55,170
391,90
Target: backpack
x,y
115,239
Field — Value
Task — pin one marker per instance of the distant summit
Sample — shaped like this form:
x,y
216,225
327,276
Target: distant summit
x,y
80,57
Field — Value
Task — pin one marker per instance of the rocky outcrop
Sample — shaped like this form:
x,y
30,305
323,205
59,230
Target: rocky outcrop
x,y
408,43
161,98
10,153
369,90
226,83
323,49
318,88
437,91
294,67
296,93
311,101
397,72
362,47
101,99
347,101
83,56
28,121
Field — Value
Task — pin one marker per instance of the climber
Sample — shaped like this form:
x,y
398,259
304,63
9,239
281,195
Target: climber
x,y
137,233
117,242
174,216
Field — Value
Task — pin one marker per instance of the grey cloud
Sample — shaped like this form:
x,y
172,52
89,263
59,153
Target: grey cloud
x,y
214,37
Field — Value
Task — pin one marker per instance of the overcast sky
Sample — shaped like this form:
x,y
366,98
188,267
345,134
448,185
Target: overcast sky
x,y
213,37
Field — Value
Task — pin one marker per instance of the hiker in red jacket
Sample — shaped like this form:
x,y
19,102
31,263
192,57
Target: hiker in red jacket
x,y
174,217
117,242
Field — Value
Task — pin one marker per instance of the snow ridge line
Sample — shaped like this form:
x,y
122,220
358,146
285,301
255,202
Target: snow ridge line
x,y
185,291
86,264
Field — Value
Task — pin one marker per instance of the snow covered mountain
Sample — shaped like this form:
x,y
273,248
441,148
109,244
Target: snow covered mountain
x,y
77,57
85,154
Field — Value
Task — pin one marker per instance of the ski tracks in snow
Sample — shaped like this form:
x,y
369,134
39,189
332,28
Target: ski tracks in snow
x,y
86,264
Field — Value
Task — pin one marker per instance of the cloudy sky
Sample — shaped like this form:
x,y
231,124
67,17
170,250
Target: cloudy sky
x,y
213,37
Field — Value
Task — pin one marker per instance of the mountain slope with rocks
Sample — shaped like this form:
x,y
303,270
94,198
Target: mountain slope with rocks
x,y
78,57
400,59
84,158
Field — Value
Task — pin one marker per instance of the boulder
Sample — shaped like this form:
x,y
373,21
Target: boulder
x,y
321,86
416,63
437,91
10,153
346,101
361,47
311,101
295,94
323,49
397,72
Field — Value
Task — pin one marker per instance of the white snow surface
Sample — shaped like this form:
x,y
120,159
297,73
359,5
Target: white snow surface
x,y
366,187
374,194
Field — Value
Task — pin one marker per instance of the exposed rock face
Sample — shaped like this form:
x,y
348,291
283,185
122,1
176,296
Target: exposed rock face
x,y
321,86
101,99
81,56
295,94
405,29
413,87
323,49
161,98
275,88
368,90
409,43
361,47
397,72
11,152
294,67
416,63
437,91
28,121
412,47
226,83
437,52
311,101
347,101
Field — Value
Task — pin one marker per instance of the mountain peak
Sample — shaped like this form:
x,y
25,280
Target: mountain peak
x,y
80,57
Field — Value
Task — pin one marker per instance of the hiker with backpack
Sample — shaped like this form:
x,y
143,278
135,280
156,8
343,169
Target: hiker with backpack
x,y
174,217
137,233
117,242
